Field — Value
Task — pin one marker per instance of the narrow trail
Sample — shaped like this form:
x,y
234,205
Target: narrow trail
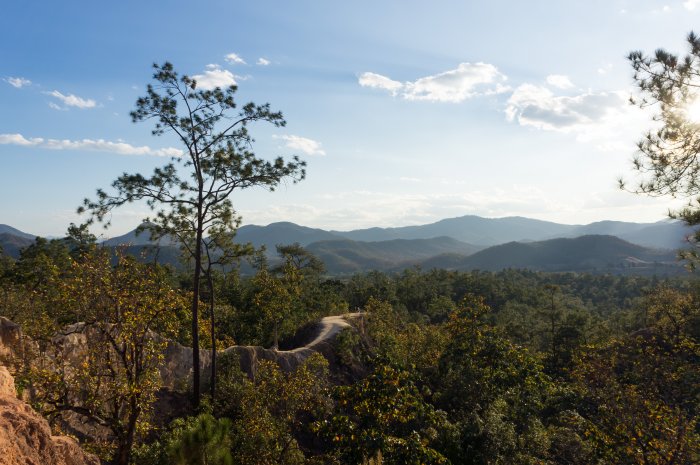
x,y
326,329
249,356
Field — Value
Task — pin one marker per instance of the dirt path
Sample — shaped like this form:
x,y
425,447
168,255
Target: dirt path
x,y
327,328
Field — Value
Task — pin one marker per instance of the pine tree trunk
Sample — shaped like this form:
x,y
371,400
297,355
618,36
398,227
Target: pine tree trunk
x,y
195,314
212,386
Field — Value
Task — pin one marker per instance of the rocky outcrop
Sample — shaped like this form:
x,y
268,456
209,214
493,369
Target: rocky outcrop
x,y
25,437
176,370
10,339
70,346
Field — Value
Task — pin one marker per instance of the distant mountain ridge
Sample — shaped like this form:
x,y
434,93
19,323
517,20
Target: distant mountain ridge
x,y
283,232
493,231
470,229
6,229
602,253
466,242
12,245
346,256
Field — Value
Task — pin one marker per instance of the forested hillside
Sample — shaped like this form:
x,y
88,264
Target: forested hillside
x,y
442,366
194,340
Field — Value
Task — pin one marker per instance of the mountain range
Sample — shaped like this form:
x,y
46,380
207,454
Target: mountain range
x,y
463,243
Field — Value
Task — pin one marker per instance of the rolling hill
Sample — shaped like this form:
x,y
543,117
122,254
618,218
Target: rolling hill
x,y
12,245
5,229
282,233
470,229
346,256
593,253
493,231
511,242
137,238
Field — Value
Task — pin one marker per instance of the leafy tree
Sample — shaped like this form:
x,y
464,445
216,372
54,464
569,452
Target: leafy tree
x,y
404,343
191,194
113,381
640,397
275,296
383,419
270,411
80,240
493,391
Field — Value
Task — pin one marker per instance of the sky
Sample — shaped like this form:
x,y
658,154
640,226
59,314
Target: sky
x,y
407,112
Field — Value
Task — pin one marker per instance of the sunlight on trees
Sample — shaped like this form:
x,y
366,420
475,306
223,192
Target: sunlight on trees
x,y
191,194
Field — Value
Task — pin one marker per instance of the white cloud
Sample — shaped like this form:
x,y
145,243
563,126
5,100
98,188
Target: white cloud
x,y
346,210
605,69
18,139
54,106
559,81
604,118
96,145
537,106
377,81
214,76
367,208
73,100
235,59
303,144
691,4
466,81
262,61
18,82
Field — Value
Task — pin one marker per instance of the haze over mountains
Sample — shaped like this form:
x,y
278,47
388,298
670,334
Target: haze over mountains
x,y
467,242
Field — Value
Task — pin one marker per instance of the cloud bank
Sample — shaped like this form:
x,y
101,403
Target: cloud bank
x,y
466,81
95,145
605,118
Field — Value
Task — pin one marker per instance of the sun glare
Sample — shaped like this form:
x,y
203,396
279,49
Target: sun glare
x,y
693,111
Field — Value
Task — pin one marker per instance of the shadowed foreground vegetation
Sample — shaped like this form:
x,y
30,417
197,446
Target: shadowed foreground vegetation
x,y
514,367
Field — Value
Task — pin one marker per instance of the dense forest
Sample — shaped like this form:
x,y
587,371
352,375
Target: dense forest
x,y
427,366
439,367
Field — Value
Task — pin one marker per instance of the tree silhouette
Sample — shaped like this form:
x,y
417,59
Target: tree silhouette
x,y
190,195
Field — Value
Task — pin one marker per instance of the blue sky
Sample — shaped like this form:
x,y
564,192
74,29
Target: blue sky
x,y
407,112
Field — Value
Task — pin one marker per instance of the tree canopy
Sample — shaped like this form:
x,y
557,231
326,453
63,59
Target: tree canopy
x,y
190,195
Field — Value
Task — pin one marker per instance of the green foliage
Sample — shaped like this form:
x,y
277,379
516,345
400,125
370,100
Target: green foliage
x,y
190,194
442,367
383,416
492,390
403,343
641,390
200,440
668,154
269,412
269,307
206,442
113,378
